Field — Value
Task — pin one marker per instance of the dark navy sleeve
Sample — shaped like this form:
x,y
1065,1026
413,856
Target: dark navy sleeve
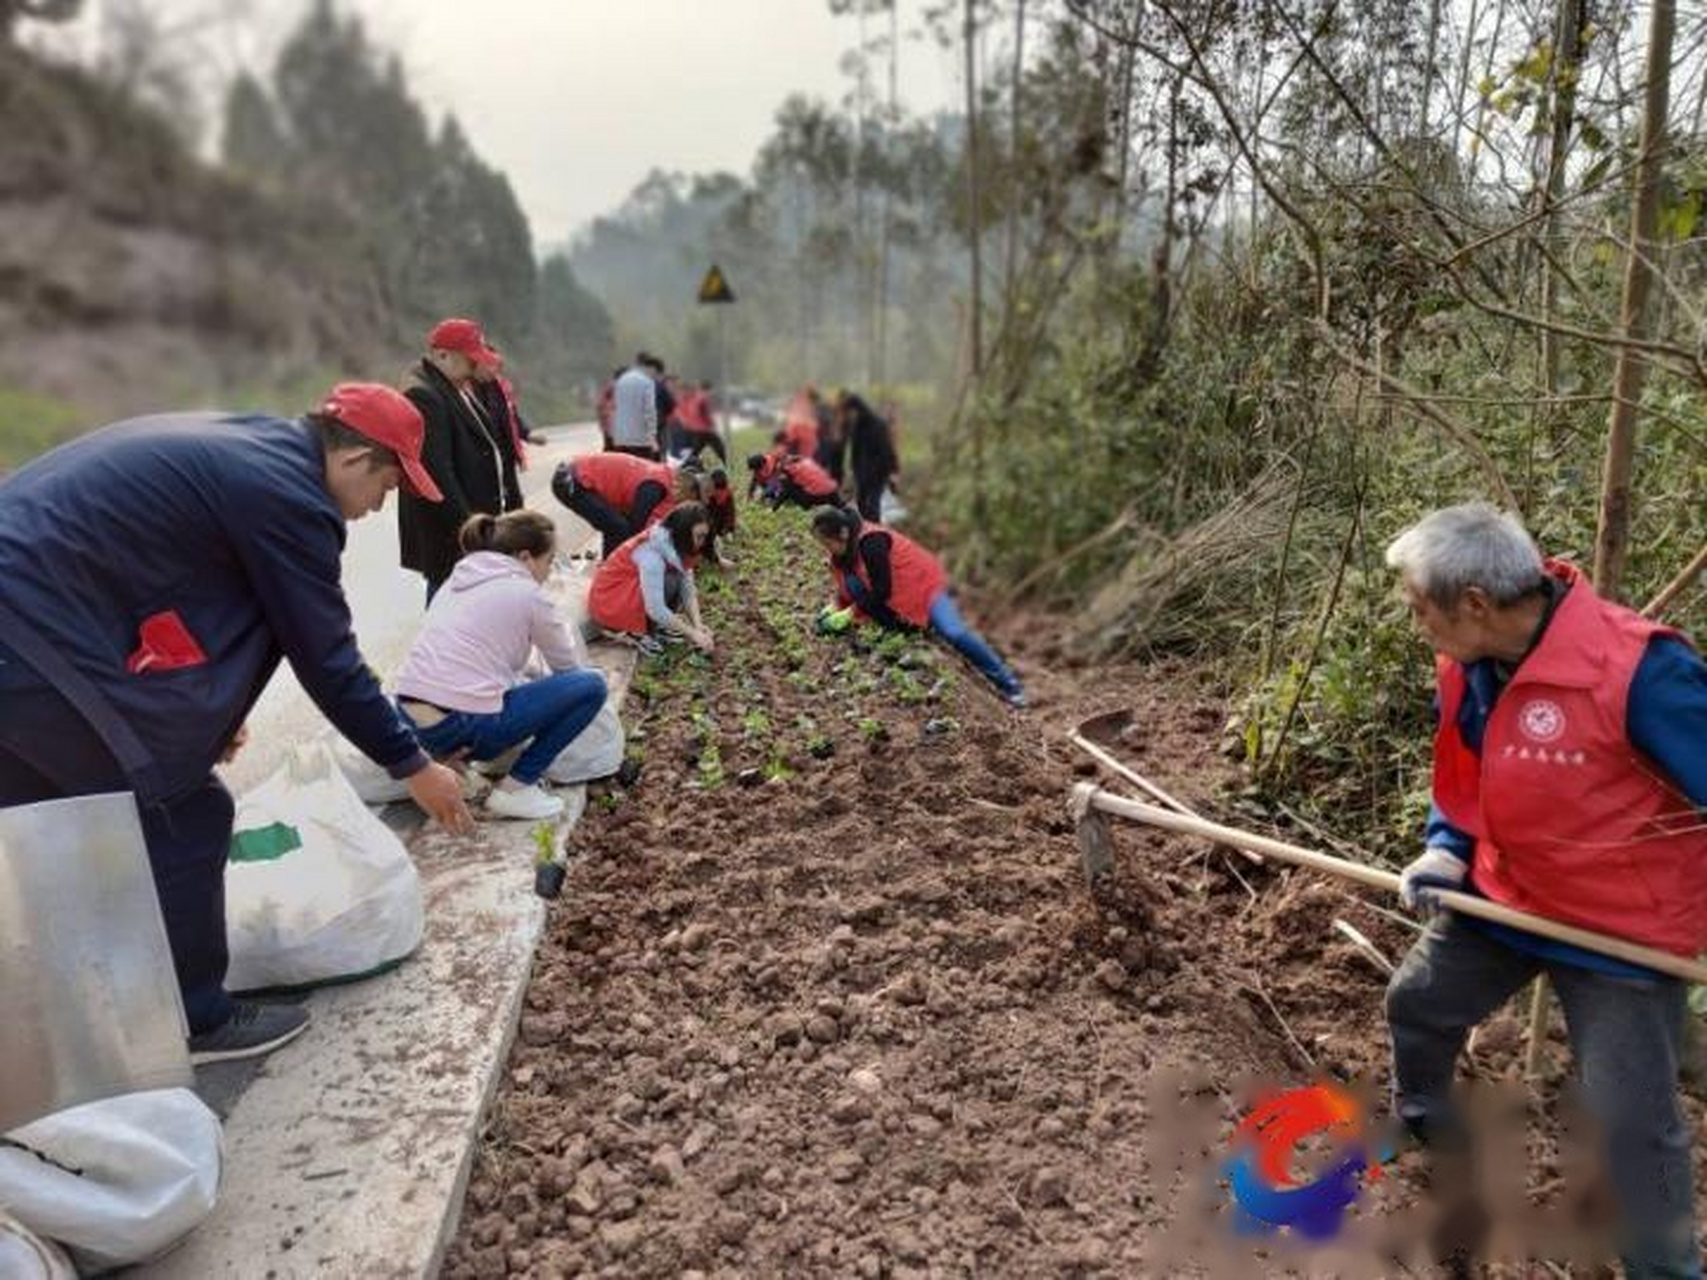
x,y
874,551
1666,716
647,495
293,562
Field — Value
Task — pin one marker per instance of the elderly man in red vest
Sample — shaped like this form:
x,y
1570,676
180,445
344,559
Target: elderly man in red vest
x,y
1570,772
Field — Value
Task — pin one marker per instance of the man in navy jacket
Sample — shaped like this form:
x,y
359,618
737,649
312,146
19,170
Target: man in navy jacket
x,y
152,576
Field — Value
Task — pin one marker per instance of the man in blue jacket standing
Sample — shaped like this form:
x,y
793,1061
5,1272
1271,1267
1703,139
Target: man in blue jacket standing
x,y
152,576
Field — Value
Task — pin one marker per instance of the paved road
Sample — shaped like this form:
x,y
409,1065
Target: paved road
x,y
387,603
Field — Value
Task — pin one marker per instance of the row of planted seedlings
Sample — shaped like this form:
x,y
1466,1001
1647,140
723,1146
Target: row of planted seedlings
x,y
776,695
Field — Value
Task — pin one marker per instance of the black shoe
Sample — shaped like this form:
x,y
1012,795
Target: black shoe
x,y
251,1031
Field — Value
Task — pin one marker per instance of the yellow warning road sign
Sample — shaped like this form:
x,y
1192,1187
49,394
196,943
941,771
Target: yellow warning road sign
x,y
714,288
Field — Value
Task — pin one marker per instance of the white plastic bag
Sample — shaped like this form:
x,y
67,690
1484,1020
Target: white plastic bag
x,y
318,889
26,1256
372,783
116,1181
596,751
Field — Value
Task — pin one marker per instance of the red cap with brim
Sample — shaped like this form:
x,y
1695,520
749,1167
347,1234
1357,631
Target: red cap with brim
x,y
465,337
387,417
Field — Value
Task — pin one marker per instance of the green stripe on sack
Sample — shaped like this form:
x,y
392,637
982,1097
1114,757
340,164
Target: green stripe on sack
x,y
264,844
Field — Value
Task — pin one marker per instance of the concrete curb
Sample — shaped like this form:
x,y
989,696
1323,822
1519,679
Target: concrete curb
x,y
349,1152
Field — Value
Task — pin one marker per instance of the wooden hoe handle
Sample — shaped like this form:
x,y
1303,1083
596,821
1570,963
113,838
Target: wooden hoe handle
x,y
1087,797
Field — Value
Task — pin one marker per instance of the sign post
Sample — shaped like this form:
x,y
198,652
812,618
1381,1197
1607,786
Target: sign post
x,y
715,290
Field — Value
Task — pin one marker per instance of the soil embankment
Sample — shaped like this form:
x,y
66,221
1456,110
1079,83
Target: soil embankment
x,y
826,993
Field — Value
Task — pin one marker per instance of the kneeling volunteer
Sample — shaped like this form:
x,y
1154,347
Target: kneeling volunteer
x,y
647,588
887,577
463,686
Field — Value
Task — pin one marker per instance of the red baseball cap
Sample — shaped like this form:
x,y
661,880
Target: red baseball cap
x,y
463,336
387,417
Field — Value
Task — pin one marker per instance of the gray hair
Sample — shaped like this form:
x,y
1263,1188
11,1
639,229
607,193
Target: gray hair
x,y
1451,550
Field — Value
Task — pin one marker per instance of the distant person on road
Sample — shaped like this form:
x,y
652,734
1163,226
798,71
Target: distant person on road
x,y
886,577
800,423
620,495
696,423
871,446
152,575
832,450
467,452
463,686
787,480
663,395
606,409
646,589
634,411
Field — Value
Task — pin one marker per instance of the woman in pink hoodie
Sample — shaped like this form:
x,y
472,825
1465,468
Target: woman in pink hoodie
x,y
463,685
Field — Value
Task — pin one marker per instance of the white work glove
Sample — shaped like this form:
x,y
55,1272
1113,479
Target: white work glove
x,y
1436,869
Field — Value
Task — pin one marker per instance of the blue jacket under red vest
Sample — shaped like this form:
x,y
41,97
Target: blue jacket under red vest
x,y
173,561
1569,819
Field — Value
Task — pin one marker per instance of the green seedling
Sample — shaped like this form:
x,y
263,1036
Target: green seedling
x,y
756,724
711,767
872,729
544,843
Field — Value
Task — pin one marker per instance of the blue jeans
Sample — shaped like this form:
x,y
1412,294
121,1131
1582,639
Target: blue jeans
x,y
947,623
1626,1036
548,714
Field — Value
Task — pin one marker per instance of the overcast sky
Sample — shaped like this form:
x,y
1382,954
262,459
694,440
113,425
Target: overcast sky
x,y
577,99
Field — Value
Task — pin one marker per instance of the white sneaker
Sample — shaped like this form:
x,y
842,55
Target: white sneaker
x,y
530,804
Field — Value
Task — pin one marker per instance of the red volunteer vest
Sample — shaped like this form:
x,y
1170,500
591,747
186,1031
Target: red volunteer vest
x,y
916,577
813,480
693,411
1570,821
614,601
615,477
800,435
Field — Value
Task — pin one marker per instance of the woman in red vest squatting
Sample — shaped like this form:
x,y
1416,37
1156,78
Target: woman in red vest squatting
x,y
886,577
646,589
1569,777
620,494
784,478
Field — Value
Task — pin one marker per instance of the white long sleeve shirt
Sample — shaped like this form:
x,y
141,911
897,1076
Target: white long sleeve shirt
x,y
634,410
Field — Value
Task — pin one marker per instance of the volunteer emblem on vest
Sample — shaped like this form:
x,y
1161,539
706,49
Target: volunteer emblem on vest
x,y
1541,720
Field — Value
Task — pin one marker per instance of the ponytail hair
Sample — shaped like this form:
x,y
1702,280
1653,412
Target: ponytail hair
x,y
509,534
829,521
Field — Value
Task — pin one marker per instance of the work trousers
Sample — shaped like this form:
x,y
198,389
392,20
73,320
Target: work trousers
x,y
547,714
612,526
47,752
1626,1035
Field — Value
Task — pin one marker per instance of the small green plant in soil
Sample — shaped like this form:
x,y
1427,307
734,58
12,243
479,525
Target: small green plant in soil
x,y
544,843
711,766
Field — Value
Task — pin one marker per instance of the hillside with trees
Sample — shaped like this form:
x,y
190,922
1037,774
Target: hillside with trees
x,y
338,222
